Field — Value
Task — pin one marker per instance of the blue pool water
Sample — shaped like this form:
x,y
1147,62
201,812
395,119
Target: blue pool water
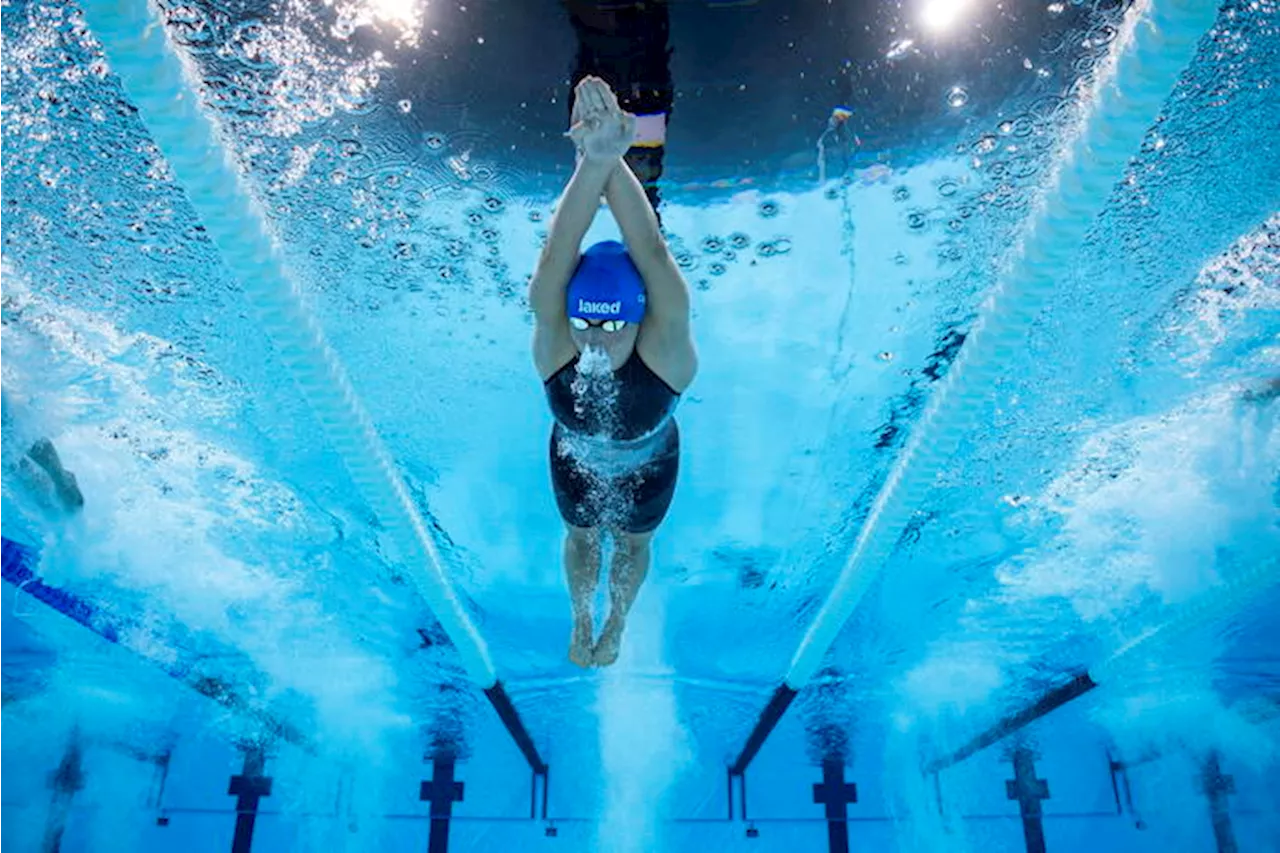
x,y
976,539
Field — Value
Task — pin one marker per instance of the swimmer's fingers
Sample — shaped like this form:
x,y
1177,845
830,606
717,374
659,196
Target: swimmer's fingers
x,y
583,130
596,96
586,106
587,120
585,115
589,86
609,100
581,127
584,96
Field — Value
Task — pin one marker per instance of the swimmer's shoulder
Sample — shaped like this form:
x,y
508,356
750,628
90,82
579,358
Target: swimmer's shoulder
x,y
552,352
672,358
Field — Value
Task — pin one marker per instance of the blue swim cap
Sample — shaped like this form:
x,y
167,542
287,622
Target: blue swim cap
x,y
606,285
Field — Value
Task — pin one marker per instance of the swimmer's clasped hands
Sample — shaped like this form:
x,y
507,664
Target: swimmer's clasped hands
x,y
601,129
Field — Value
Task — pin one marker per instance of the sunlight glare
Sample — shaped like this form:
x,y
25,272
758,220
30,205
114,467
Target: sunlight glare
x,y
941,14
402,12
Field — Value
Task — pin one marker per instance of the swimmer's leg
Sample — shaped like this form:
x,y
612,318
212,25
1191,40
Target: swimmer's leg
x,y
631,555
44,454
582,569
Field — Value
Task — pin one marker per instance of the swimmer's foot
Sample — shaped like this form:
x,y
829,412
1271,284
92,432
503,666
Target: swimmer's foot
x,y
45,455
610,643
580,642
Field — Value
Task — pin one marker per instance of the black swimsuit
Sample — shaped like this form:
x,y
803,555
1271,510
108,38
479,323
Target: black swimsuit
x,y
615,448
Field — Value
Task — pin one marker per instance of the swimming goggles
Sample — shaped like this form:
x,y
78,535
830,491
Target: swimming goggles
x,y
611,326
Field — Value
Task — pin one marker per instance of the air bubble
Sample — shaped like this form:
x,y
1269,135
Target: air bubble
x,y
246,43
433,141
405,105
492,204
901,193
739,240
1024,167
717,269
1084,65
1002,196
957,97
189,27
899,49
1103,35
768,209
1047,108
948,188
712,245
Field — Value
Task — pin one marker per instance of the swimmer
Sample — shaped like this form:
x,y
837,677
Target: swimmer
x,y
41,470
613,347
54,485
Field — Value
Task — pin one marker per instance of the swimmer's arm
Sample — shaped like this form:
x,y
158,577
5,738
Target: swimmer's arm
x,y
668,294
636,219
574,213
666,338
